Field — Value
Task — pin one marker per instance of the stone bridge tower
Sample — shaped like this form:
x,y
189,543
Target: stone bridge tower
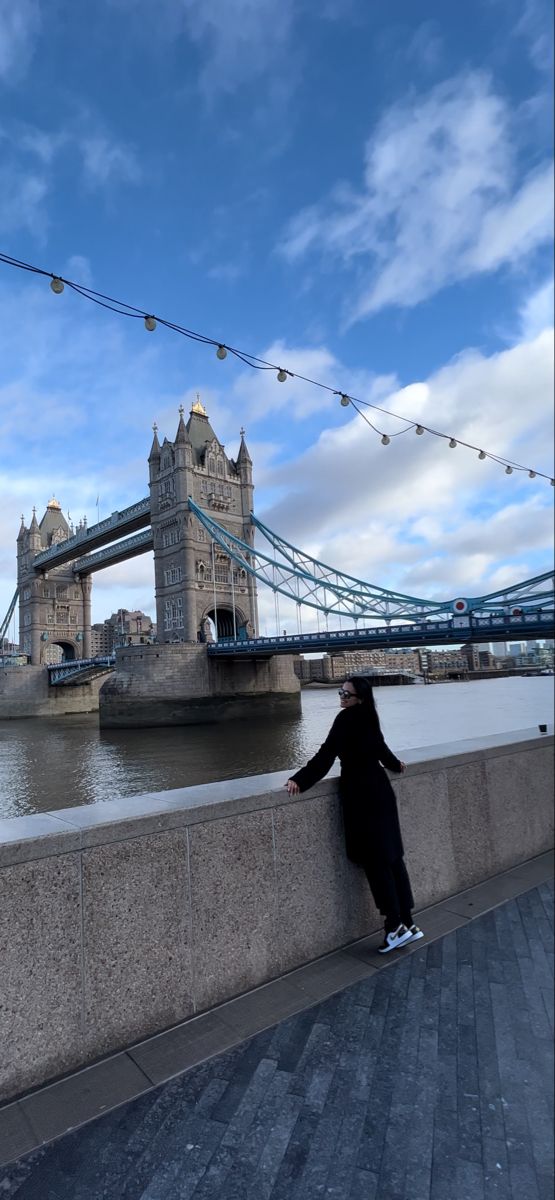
x,y
54,607
198,587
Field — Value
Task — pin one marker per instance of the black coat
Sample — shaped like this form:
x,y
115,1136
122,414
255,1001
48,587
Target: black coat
x,y
369,806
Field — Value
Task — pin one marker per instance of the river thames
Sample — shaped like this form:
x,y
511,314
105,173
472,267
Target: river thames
x,y
52,764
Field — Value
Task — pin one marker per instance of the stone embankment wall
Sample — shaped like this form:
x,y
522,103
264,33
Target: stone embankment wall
x,y
25,692
179,685
120,919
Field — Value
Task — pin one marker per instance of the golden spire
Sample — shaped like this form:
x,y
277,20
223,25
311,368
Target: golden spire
x,y
198,407
53,503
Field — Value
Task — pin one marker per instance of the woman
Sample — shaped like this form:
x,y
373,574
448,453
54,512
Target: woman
x,y
372,831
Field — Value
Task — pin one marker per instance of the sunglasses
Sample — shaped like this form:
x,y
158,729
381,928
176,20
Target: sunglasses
x,y
346,695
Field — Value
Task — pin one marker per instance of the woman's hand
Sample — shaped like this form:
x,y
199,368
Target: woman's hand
x,y
403,766
292,787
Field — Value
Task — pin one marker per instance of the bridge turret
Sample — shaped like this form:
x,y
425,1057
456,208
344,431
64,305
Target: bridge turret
x,y
154,456
34,539
244,460
244,467
183,446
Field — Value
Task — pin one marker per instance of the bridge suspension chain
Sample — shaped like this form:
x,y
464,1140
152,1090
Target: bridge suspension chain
x,y
305,580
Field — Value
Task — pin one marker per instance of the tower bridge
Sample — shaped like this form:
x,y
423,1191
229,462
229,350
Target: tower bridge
x,y
211,555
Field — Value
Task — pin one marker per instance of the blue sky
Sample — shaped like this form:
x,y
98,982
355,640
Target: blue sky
x,y
358,190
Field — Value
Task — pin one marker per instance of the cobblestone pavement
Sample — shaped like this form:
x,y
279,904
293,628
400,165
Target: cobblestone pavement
x,y
429,1081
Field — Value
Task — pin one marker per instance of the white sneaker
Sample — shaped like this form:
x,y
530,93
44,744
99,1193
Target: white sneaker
x,y
415,933
393,940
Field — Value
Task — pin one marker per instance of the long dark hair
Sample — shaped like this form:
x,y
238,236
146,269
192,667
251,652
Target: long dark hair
x,y
365,693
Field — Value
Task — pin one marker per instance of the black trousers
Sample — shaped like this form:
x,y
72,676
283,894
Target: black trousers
x,y
390,887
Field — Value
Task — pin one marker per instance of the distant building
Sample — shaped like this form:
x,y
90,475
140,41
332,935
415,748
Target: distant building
x,y
445,661
123,628
337,666
471,656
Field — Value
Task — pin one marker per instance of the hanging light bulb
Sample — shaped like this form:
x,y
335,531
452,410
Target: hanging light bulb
x,y
452,444
419,430
385,440
281,375
57,285
221,353
508,470
531,474
344,400
150,324
482,454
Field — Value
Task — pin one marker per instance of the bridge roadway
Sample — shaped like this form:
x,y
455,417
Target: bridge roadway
x,y
456,631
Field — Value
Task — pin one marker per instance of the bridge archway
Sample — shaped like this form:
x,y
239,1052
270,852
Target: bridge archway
x,y
58,651
222,619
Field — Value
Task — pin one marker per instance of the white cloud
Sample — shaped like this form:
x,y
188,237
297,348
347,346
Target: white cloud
x,y
31,159
19,29
260,395
536,313
239,38
535,25
22,201
416,515
425,47
513,228
440,200
105,161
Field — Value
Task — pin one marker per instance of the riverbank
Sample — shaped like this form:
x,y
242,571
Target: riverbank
x,y
394,678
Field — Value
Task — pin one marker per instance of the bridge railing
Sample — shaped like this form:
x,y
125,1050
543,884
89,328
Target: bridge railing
x,y
459,628
74,666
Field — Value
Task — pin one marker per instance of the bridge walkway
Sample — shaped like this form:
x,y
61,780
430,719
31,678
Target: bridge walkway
x,y
423,1076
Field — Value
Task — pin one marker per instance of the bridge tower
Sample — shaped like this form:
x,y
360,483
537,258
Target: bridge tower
x,y
196,582
55,606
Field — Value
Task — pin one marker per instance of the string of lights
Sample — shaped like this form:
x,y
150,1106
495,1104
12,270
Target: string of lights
x,y
58,283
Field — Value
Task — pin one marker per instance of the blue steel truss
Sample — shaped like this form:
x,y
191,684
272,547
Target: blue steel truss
x,y
289,572
6,622
77,670
307,581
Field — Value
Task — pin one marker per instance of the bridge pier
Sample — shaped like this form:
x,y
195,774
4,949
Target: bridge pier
x,y
179,684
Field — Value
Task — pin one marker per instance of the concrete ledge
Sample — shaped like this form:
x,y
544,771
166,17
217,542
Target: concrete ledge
x,y
49,1112
121,919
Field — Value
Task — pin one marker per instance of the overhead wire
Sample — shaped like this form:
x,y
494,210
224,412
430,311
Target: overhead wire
x,y
123,308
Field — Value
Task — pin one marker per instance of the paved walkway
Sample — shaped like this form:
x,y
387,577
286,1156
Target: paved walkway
x,y
432,1080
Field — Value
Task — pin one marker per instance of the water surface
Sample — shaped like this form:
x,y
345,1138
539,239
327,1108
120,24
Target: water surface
x,y
56,763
